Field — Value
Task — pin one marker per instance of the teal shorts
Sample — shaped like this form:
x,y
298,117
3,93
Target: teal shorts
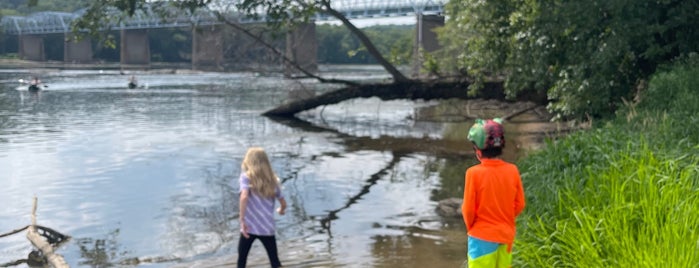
x,y
485,254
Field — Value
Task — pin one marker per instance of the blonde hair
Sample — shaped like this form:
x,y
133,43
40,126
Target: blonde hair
x,y
256,165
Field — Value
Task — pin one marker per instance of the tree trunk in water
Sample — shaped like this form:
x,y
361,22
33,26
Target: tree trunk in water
x,y
411,90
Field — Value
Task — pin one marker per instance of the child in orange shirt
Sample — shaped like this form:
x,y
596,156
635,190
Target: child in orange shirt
x,y
493,198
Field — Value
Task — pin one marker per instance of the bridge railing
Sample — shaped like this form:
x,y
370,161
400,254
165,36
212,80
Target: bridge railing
x,y
40,22
60,22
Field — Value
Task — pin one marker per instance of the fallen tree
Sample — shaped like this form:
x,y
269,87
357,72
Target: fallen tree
x,y
410,90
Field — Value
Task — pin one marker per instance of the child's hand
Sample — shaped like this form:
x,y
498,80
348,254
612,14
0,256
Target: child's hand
x,y
244,229
280,210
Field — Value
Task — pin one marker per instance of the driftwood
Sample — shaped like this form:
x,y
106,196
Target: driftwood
x,y
44,239
38,241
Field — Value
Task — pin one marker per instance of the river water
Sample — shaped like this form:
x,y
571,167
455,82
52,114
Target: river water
x,y
148,176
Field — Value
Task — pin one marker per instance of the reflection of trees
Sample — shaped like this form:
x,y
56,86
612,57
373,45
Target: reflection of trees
x,y
401,145
395,250
213,215
6,121
373,179
398,146
107,252
451,176
34,259
100,252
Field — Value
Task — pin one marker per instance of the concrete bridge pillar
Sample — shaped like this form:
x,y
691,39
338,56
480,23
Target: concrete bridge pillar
x,y
135,48
425,38
207,48
75,51
302,47
31,47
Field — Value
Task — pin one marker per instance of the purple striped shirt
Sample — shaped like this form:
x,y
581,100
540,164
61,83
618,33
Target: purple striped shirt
x,y
259,214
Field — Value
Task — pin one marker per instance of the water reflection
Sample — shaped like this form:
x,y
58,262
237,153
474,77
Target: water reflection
x,y
148,176
100,252
325,222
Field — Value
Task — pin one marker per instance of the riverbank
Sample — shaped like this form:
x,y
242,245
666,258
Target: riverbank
x,y
531,124
629,183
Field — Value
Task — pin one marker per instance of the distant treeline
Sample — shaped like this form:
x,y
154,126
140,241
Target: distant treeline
x,y
22,7
335,46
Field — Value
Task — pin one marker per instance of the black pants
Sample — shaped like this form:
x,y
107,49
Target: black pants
x,y
270,243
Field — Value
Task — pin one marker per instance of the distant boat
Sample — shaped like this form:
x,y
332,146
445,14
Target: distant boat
x,y
32,86
133,82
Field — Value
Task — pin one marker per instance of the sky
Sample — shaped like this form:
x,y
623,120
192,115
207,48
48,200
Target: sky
x,y
375,21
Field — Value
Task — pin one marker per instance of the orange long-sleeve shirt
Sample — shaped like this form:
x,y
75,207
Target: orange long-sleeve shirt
x,y
493,197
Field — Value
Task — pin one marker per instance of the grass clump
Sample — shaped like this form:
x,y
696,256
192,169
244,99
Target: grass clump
x,y
625,194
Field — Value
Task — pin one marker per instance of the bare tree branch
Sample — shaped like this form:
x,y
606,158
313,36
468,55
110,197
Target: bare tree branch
x,y
281,54
398,77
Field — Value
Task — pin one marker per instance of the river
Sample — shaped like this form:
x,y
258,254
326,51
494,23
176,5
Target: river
x,y
149,176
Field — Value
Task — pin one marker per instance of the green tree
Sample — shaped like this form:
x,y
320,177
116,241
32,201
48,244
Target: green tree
x,y
395,41
337,45
25,7
588,55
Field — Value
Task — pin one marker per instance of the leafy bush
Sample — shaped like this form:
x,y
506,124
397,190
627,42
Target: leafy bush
x,y
587,55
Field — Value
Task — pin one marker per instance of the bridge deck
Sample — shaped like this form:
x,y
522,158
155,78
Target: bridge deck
x,y
60,22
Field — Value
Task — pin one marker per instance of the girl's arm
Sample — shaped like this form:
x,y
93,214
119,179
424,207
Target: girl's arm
x,y
243,207
282,206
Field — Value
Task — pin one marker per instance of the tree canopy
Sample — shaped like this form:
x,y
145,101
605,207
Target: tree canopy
x,y
25,7
337,45
587,55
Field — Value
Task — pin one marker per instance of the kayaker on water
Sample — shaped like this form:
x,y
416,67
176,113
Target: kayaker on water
x,y
34,84
133,83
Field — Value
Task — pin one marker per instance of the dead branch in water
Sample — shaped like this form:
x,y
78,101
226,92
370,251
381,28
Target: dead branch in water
x,y
44,239
38,241
14,231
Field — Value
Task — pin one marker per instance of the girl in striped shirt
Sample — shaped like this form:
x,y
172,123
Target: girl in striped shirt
x,y
259,187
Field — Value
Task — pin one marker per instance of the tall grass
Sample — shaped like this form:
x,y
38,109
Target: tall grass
x,y
625,194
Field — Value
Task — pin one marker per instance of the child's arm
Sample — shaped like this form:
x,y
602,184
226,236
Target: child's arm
x,y
468,207
243,207
282,206
519,198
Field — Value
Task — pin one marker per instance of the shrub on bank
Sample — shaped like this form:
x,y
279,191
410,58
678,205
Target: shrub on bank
x,y
625,194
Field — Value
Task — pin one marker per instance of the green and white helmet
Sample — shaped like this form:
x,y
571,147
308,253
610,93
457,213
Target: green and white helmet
x,y
487,133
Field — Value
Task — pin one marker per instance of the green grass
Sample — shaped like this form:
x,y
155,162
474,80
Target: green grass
x,y
625,194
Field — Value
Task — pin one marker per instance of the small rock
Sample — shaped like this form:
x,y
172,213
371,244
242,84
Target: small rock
x,y
450,207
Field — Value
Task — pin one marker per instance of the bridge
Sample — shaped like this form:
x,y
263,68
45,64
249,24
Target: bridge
x,y
30,28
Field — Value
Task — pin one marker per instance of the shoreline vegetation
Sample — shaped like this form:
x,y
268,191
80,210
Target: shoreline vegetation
x,y
624,193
